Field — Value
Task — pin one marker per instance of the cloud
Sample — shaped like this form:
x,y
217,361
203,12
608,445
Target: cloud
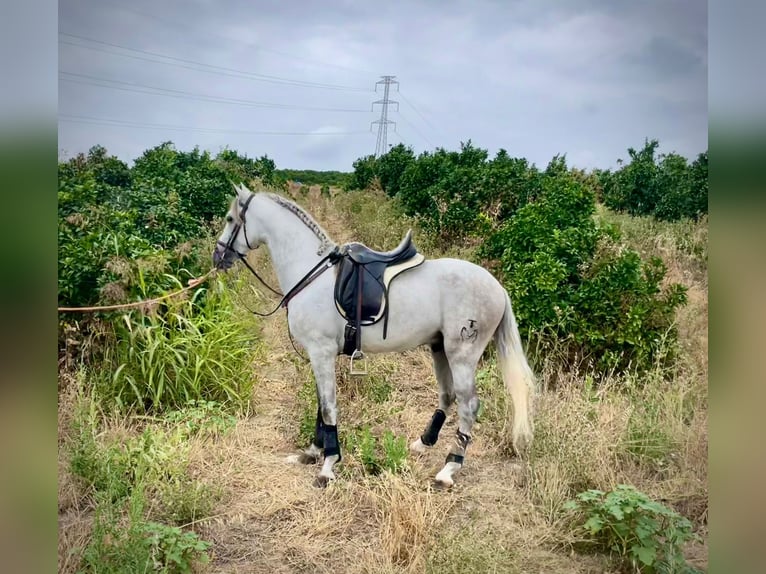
x,y
587,78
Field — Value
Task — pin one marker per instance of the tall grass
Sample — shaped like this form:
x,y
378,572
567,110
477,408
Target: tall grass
x,y
193,350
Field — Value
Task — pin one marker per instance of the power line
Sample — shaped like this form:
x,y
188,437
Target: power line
x,y
199,66
381,146
409,103
139,88
175,24
141,125
421,134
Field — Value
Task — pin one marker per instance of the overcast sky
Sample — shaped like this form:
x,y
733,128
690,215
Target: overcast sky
x,y
295,80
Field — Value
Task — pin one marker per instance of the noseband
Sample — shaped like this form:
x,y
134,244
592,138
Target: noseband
x,y
229,245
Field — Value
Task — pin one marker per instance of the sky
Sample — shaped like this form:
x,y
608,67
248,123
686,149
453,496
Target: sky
x,y
296,80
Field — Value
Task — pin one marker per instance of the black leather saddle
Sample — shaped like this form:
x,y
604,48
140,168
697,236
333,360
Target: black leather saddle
x,y
362,282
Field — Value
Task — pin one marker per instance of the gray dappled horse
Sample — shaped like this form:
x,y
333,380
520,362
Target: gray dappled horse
x,y
451,305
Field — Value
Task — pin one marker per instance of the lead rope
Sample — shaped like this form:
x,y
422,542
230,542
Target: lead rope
x,y
191,284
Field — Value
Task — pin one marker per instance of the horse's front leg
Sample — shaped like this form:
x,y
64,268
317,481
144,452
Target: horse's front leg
x,y
323,365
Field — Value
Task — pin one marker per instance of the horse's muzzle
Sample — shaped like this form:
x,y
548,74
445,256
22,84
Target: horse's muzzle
x,y
222,259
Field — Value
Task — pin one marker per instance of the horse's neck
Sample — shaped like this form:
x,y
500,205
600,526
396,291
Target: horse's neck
x,y
292,245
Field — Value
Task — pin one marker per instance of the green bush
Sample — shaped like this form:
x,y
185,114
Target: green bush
x,y
642,533
363,175
454,194
576,289
160,212
663,185
390,167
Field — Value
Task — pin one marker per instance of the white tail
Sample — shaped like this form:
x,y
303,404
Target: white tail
x,y
517,376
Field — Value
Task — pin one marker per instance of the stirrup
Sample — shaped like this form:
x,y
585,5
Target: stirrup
x,y
357,356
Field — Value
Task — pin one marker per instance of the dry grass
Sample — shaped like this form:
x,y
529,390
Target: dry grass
x,y
502,515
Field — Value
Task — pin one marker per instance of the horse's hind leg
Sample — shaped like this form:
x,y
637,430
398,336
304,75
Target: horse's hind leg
x,y
463,370
446,398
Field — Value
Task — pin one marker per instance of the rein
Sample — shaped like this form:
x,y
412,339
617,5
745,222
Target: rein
x,y
243,259
324,264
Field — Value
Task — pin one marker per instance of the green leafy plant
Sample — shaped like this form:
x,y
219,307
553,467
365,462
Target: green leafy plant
x,y
202,417
394,456
133,544
120,475
363,444
377,454
642,533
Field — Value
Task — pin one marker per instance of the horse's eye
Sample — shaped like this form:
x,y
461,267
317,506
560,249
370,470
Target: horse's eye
x,y
229,218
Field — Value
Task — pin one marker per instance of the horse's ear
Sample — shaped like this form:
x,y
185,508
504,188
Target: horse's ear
x,y
242,192
234,185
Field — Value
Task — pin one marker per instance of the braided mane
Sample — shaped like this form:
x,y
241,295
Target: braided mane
x,y
307,220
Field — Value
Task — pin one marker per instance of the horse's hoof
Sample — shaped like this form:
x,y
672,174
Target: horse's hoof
x,y
418,448
443,484
322,481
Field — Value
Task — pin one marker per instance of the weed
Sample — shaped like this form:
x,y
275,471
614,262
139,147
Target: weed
x,y
640,531
202,417
377,388
376,455
362,445
121,475
135,545
184,500
394,457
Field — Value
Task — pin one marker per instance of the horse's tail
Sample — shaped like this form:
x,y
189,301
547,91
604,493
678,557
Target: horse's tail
x,y
517,376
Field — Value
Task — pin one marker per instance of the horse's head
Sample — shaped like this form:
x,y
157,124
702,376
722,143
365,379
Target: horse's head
x,y
234,241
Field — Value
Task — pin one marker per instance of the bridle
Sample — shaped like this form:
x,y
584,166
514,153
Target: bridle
x,y
332,258
241,225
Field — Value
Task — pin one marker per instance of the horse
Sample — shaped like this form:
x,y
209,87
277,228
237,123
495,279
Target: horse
x,y
452,305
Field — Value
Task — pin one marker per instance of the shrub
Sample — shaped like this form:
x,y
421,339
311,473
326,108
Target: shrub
x,y
390,167
364,173
662,185
577,289
643,533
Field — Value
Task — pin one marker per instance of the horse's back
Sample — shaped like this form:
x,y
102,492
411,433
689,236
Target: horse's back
x,y
437,298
